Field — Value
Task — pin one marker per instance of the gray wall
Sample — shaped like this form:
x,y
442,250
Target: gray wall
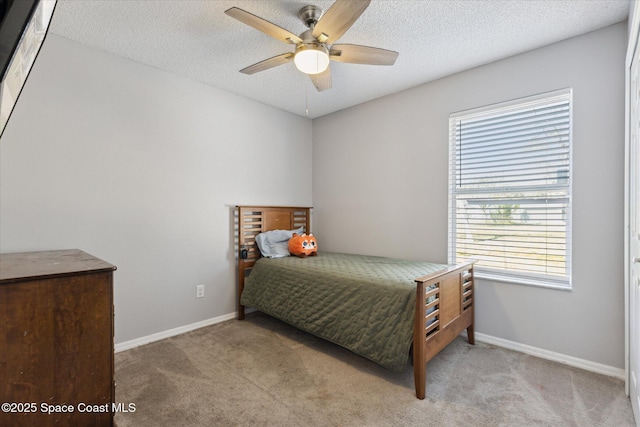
x,y
380,187
141,168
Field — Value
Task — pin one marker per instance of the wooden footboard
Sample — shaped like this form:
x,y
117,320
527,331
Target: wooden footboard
x,y
444,308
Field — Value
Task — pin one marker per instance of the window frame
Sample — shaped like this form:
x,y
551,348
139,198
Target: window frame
x,y
496,110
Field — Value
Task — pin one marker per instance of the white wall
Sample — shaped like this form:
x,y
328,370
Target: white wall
x,y
140,168
380,187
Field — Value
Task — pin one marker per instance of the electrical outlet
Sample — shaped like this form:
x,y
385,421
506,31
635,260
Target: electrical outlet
x,y
199,291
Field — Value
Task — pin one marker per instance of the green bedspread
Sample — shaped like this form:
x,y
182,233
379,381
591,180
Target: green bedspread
x,y
363,303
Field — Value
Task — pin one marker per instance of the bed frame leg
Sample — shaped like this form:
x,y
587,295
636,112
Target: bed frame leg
x,y
420,379
419,344
470,335
240,287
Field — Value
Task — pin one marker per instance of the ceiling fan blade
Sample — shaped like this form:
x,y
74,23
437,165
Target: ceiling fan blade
x,y
356,54
268,63
263,25
338,19
322,81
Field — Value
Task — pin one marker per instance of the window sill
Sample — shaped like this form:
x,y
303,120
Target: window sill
x,y
521,281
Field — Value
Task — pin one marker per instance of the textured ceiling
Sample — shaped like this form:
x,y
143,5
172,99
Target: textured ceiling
x,y
435,38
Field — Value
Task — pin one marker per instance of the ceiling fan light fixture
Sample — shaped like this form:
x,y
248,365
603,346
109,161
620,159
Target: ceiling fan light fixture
x,y
311,58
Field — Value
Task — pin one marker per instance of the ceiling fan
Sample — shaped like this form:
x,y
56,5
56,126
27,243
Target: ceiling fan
x,y
315,47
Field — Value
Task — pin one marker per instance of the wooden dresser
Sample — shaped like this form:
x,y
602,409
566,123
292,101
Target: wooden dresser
x,y
56,339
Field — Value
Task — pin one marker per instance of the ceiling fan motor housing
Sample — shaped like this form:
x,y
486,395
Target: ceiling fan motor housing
x,y
310,15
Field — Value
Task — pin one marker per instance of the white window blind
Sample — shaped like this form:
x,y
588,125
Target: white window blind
x,y
510,190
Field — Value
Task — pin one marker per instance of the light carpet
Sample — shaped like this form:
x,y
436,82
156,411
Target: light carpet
x,y
261,371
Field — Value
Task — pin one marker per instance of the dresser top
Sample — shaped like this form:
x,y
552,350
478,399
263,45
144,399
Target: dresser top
x,y
16,267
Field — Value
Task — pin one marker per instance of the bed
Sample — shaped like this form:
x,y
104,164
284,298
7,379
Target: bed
x,y
384,309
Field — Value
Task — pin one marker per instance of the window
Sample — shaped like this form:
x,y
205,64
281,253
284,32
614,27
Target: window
x,y
510,190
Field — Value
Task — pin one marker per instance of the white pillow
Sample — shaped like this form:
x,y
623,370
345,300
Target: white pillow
x,y
275,243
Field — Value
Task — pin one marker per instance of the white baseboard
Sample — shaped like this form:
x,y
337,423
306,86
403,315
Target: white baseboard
x,y
550,355
171,332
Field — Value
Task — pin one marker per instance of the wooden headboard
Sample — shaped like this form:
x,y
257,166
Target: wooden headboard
x,y
253,220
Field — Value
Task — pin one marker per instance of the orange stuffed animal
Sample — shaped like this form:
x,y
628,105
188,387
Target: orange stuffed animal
x,y
303,245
